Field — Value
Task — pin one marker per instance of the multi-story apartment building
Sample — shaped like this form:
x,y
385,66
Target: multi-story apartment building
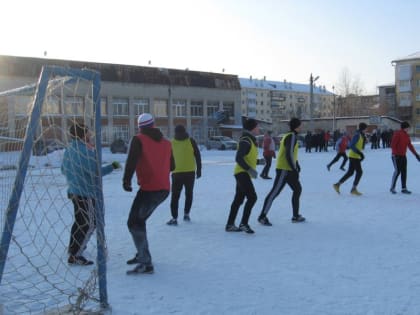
x,y
127,91
273,102
407,88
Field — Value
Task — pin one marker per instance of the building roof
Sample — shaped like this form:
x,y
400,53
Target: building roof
x,y
281,86
31,67
413,56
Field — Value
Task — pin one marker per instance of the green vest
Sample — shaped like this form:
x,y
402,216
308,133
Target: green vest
x,y
359,146
282,163
250,158
183,152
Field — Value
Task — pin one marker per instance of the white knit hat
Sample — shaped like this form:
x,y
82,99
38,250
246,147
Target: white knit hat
x,y
145,120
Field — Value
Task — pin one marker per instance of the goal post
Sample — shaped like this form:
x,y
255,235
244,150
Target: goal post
x,y
36,214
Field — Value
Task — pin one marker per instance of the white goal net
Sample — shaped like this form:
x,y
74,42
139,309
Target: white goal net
x,y
36,215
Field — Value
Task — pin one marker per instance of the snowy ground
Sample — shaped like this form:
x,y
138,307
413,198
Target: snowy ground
x,y
354,255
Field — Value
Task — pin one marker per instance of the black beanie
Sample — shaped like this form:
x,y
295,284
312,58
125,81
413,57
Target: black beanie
x,y
250,124
294,123
404,125
362,126
78,130
179,129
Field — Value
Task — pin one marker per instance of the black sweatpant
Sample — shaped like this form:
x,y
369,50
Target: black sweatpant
x,y
84,223
337,157
400,167
266,169
244,189
284,177
355,165
180,180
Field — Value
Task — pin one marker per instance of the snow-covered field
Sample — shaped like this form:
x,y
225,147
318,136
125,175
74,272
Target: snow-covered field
x,y
354,255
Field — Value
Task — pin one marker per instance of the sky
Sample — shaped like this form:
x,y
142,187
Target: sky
x,y
352,256
276,39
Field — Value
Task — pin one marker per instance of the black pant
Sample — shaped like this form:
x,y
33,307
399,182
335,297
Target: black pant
x,y
142,208
337,157
244,188
355,165
284,177
267,166
180,180
400,167
84,223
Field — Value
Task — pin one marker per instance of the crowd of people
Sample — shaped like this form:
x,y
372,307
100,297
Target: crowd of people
x,y
162,167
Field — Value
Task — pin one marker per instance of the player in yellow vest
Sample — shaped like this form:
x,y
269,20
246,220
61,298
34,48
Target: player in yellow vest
x,y
287,172
187,165
356,157
245,169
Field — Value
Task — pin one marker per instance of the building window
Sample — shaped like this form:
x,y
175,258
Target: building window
x,y
417,111
141,105
120,132
212,108
228,107
196,109
120,106
104,106
74,105
418,97
418,83
180,108
160,108
22,103
417,69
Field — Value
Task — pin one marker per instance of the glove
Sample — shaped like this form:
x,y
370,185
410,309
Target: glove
x,y
418,157
362,156
253,173
127,186
198,173
260,161
116,165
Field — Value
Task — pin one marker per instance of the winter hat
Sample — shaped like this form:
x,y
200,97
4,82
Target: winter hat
x,y
362,126
405,125
250,124
294,123
145,120
78,130
180,129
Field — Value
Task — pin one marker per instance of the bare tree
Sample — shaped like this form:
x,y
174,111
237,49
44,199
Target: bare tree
x,y
349,85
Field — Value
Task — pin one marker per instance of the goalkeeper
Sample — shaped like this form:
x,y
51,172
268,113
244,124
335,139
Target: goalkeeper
x,y
80,169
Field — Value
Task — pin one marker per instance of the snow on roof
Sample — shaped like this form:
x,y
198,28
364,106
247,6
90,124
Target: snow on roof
x,y
413,56
280,86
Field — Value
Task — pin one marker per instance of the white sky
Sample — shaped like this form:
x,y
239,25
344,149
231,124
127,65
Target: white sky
x,y
281,39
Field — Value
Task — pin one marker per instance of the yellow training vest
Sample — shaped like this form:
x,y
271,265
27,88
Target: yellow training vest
x,y
282,163
359,146
183,152
250,158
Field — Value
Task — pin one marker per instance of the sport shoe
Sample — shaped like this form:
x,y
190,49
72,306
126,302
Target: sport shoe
x,y
406,191
246,228
343,169
187,217
264,221
355,192
232,228
393,191
79,260
297,219
337,187
142,268
328,168
172,222
133,261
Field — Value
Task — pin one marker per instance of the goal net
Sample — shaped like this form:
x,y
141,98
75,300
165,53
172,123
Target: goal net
x,y
35,212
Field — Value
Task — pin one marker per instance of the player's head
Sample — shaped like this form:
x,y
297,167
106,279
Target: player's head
x,y
79,131
145,120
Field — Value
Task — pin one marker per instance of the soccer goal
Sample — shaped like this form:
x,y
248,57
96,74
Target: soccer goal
x,y
35,212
